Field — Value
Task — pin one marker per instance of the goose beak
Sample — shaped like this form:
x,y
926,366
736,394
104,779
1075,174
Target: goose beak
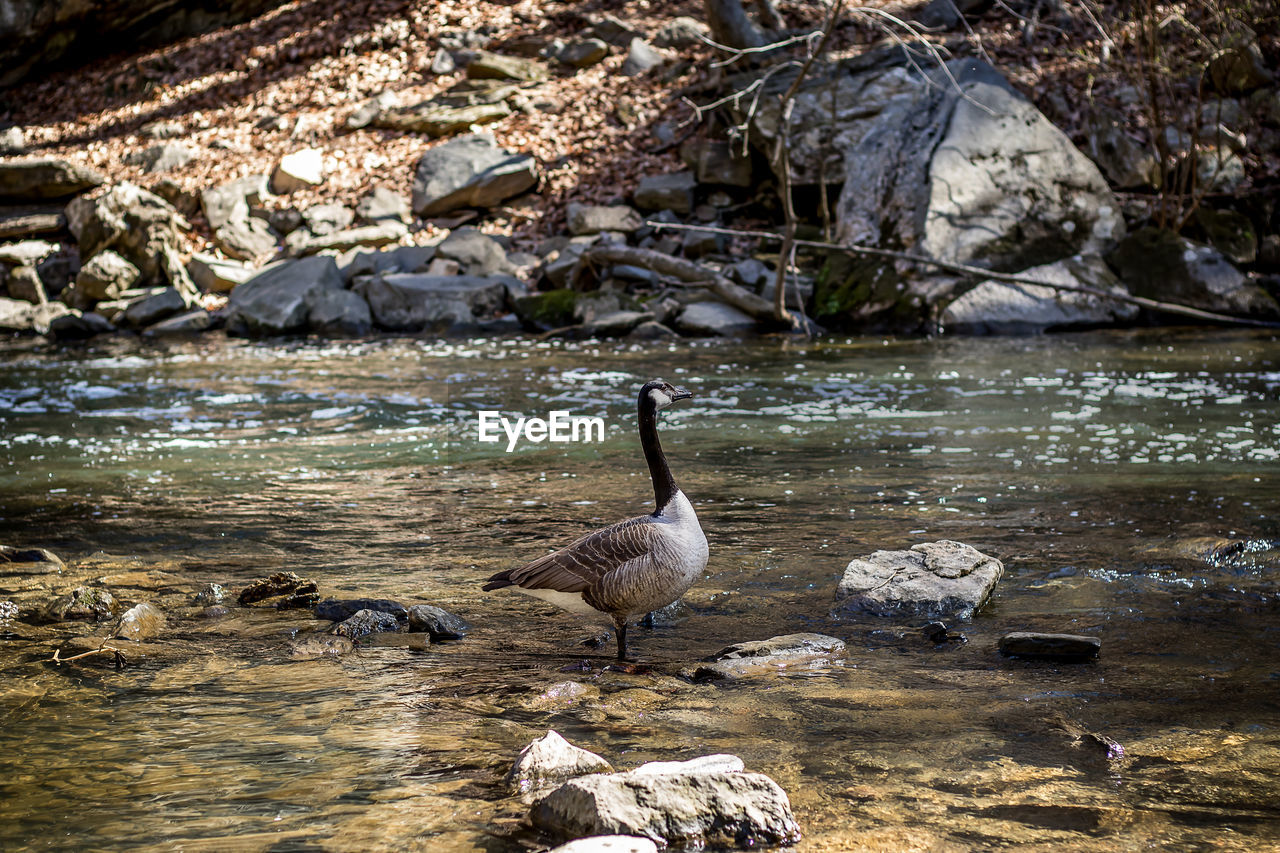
x,y
680,394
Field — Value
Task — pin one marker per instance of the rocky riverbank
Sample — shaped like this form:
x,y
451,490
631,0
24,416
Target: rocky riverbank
x,y
949,166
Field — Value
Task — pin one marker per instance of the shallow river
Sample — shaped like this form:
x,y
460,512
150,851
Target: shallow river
x,y
1105,470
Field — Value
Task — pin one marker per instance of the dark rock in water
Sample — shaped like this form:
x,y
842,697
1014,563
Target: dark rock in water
x,y
141,622
160,303
321,645
1068,648
440,624
685,809
215,611
413,302
279,299
551,760
29,561
761,657
82,603
211,594
714,318
935,632
338,609
541,312
39,179
187,323
934,580
365,622
339,312
283,591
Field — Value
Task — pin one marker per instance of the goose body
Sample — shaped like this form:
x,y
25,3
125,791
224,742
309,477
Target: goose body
x,y
632,567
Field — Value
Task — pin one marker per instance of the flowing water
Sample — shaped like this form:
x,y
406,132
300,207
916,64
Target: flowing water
x,y
1127,481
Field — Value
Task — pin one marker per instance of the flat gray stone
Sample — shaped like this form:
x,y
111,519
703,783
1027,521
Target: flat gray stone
x,y
214,275
160,303
1071,648
594,218
714,318
249,239
190,322
788,652
384,233
414,302
934,580
477,252
383,203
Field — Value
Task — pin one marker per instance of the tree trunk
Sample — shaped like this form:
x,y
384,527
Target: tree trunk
x,y
730,25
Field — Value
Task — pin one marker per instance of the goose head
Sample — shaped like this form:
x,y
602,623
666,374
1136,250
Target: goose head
x,y
662,393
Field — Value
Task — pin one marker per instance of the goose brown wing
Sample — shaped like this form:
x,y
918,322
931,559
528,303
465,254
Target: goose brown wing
x,y
580,565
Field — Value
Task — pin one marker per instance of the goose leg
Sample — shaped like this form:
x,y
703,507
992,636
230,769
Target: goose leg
x,y
620,627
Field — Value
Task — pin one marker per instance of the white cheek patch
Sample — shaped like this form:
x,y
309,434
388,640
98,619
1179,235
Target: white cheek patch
x,y
660,398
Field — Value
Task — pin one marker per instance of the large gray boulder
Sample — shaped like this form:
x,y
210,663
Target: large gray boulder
x,y
934,580
469,171
279,300
683,805
714,318
966,171
43,178
339,312
1162,265
1004,308
413,302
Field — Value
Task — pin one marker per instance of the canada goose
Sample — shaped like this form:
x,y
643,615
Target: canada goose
x,y
634,566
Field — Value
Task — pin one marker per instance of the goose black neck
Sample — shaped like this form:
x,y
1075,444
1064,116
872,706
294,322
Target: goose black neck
x,y
664,485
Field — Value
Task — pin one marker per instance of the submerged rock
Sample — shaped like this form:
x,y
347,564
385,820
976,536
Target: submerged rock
x,y
337,609
934,580
439,623
283,591
83,602
550,760
29,561
321,645
365,622
141,622
212,593
691,807
759,657
1070,648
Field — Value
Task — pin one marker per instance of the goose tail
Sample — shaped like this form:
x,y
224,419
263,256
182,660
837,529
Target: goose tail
x,y
501,580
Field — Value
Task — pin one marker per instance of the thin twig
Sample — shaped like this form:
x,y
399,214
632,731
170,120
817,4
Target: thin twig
x,y
991,275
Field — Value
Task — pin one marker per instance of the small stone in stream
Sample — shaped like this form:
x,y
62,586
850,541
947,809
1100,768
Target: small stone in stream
x,y
8,611
608,844
935,632
383,203
439,623
298,170
78,325
215,611
143,621
550,760
672,192
583,54
365,622
211,594
338,609
641,58
83,602
283,591
934,580
760,657
684,809
29,561
321,646
1068,648
651,330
